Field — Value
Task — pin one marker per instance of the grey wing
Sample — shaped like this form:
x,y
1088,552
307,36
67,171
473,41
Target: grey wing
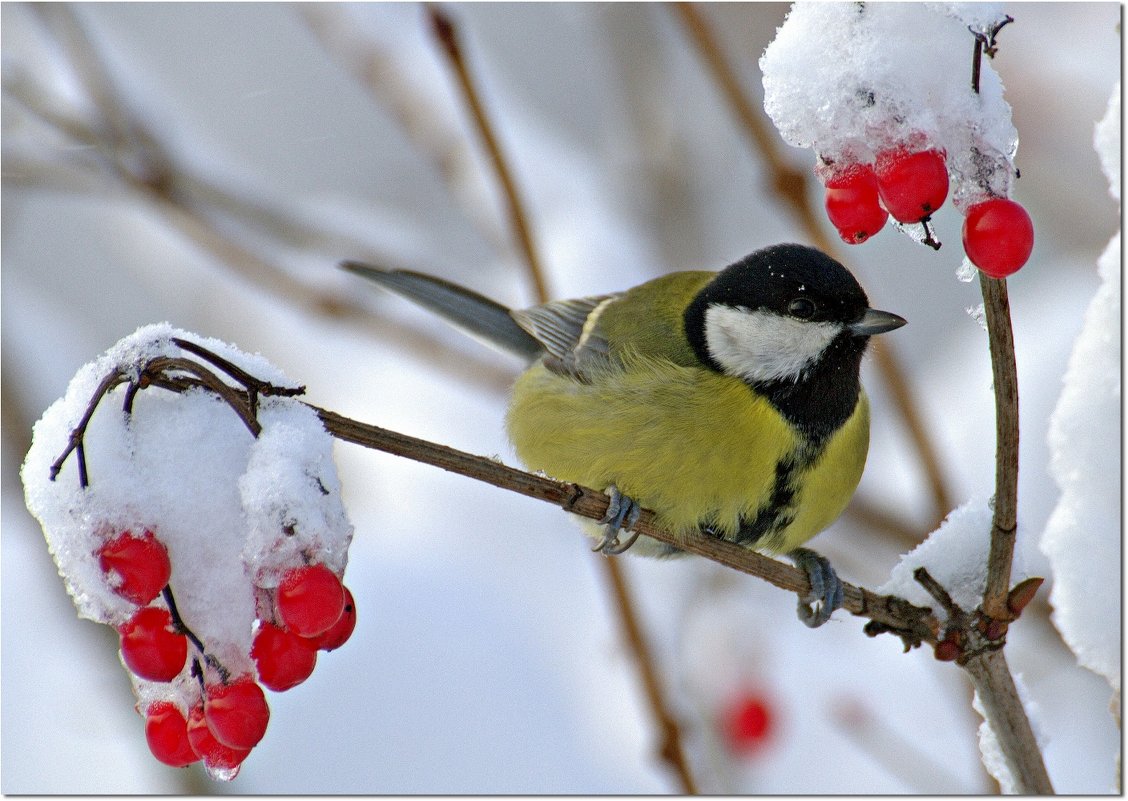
x,y
570,333
475,314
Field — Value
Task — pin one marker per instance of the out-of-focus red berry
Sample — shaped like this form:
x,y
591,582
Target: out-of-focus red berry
x,y
998,236
747,723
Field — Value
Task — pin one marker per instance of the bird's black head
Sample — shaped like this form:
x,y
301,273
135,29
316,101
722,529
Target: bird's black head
x,y
791,322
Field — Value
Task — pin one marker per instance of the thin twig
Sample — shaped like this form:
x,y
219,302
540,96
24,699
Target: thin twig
x,y
790,185
671,750
444,31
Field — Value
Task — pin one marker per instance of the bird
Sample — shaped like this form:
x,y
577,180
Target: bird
x,y
727,402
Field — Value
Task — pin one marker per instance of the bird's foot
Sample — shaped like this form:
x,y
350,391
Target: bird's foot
x,y
622,514
826,593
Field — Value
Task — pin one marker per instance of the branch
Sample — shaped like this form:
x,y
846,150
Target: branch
x,y
890,613
1005,715
1005,517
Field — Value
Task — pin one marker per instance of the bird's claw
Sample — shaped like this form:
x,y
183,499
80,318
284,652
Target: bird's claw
x,y
622,515
826,593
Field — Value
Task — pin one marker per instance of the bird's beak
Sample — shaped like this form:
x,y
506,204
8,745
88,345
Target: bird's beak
x,y
876,322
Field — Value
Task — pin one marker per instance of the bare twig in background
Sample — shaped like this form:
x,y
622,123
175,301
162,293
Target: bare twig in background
x,y
670,750
445,34
206,213
791,186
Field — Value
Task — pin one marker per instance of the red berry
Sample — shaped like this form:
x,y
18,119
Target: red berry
x,y
166,731
215,754
138,567
340,631
237,713
151,647
747,723
310,599
283,658
852,204
998,236
912,185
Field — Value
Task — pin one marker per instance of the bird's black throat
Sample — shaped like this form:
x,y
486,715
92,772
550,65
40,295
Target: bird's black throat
x,y
820,401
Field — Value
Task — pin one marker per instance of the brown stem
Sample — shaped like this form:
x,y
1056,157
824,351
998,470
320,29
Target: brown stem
x,y
1007,718
1004,521
671,750
447,35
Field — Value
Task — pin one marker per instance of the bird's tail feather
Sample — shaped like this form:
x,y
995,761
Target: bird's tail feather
x,y
474,314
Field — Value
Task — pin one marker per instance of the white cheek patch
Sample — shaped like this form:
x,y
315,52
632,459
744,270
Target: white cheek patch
x,y
761,346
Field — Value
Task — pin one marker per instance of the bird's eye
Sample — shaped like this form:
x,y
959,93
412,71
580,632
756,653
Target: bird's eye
x,y
803,308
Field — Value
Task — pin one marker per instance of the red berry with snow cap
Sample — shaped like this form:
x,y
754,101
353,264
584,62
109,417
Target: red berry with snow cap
x,y
912,185
137,566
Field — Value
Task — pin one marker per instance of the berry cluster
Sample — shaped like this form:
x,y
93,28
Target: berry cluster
x,y
221,537
310,610
910,184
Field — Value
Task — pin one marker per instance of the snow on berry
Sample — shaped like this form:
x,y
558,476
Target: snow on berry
x,y
138,566
232,510
851,80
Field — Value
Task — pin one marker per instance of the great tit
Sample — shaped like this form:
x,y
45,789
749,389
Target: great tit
x,y
727,402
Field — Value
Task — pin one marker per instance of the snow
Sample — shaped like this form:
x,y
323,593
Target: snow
x,y
233,511
486,657
956,556
850,80
1083,534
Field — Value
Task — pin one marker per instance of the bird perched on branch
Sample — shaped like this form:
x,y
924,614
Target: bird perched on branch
x,y
727,402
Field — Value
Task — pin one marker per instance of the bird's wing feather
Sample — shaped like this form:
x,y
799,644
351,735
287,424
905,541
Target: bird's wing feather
x,y
473,313
569,331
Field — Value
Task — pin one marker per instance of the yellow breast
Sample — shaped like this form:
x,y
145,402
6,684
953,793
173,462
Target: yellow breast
x,y
696,447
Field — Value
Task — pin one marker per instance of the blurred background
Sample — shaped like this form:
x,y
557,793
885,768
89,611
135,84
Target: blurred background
x,y
209,164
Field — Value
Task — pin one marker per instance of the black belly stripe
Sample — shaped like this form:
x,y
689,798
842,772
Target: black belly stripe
x,y
779,512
